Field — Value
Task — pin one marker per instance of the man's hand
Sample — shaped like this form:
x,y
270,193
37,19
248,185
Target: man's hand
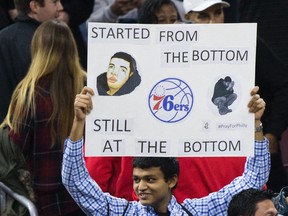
x,y
230,86
256,104
83,103
121,7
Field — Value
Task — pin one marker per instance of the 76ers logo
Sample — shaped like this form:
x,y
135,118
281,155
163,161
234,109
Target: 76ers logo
x,y
170,100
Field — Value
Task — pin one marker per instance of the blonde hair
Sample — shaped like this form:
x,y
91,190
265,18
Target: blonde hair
x,y
54,53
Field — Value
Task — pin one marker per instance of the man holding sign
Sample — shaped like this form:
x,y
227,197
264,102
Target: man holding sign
x,y
155,178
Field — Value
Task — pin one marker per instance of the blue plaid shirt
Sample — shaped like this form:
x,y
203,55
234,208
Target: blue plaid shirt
x,y
93,201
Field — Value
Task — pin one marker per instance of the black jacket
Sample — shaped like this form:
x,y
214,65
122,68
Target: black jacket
x,y
15,57
272,78
128,87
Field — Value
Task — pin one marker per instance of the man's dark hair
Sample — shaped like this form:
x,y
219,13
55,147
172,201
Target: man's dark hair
x,y
227,79
168,165
129,58
23,6
147,11
245,202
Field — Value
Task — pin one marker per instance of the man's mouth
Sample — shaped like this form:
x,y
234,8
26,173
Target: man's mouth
x,y
112,79
143,196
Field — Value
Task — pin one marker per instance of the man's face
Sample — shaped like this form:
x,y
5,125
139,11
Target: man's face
x,y
167,14
226,83
266,208
50,10
213,14
152,189
118,73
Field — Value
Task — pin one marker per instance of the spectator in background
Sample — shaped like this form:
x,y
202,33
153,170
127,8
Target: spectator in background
x,y
271,77
272,25
125,11
8,13
119,11
38,119
201,11
115,11
158,12
74,13
15,41
252,202
281,201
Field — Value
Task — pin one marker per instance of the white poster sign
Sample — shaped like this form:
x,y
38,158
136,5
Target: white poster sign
x,y
170,90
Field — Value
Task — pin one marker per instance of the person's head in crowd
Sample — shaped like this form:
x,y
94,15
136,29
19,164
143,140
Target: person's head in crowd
x,y
252,202
40,10
154,179
158,12
55,61
205,11
280,200
121,77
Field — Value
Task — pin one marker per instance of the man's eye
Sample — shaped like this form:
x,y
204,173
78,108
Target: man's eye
x,y
203,16
218,12
173,20
136,180
151,180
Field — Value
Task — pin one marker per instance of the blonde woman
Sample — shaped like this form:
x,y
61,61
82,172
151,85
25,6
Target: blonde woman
x,y
41,113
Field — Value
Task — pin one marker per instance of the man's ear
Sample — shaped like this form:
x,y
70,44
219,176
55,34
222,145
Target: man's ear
x,y
173,181
33,6
131,73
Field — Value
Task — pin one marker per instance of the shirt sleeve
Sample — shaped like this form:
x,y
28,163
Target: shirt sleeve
x,y
84,190
255,175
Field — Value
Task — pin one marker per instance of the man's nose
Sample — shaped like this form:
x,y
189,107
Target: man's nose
x,y
142,185
115,71
212,19
59,6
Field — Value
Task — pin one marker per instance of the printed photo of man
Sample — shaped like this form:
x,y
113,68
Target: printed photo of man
x,y
224,95
121,77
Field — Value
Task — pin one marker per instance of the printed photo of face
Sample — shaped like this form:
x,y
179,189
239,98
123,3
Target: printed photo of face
x,y
121,76
118,73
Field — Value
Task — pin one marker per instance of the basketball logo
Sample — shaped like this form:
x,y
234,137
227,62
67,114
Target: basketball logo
x,y
170,100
